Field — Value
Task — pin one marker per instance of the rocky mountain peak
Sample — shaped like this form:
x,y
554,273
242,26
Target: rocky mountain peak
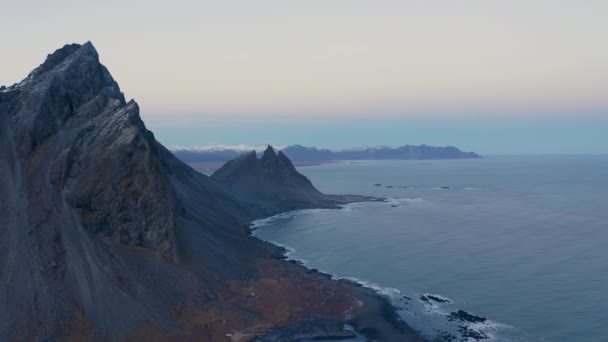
x,y
269,160
72,127
105,235
69,89
73,51
269,153
270,178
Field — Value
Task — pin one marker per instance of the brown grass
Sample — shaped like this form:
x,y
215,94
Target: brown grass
x,y
283,294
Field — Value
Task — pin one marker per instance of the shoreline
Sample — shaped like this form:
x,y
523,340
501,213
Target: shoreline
x,y
379,318
383,317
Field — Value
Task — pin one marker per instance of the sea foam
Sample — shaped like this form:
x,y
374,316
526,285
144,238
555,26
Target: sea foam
x,y
431,318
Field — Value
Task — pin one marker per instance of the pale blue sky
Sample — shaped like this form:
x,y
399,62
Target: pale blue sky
x,y
491,76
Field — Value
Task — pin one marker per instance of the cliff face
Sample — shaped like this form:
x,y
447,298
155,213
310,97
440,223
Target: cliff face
x,y
90,200
76,137
303,153
104,234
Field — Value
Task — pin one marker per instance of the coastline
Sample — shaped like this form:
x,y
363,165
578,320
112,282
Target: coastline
x,y
384,319
376,318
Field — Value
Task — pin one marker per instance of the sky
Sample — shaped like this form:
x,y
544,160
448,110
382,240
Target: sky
x,y
495,77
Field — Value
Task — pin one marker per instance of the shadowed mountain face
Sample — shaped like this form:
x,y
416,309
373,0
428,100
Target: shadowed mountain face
x,y
271,180
105,234
84,182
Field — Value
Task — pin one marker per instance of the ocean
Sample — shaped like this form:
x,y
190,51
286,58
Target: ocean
x,y
519,241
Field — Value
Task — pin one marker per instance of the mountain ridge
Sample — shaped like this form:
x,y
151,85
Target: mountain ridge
x,y
299,153
105,234
270,178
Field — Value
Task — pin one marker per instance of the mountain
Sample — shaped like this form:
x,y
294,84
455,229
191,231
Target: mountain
x,y
404,152
271,180
303,153
106,235
85,183
299,153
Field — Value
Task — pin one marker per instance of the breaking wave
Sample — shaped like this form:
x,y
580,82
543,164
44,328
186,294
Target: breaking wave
x,y
435,316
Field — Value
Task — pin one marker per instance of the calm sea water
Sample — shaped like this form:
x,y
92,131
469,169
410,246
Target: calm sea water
x,y
522,241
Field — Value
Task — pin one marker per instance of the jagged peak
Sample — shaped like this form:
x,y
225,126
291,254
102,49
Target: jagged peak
x,y
269,153
70,83
61,53
56,58
86,50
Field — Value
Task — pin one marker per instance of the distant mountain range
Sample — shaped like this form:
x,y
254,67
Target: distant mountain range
x,y
299,153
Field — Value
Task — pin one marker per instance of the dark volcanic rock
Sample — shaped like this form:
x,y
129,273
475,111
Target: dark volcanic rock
x,y
70,120
465,316
272,169
104,234
75,164
271,182
437,299
115,181
83,182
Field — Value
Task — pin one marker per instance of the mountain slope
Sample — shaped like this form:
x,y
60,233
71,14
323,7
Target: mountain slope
x,y
304,153
87,180
104,234
271,180
73,199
